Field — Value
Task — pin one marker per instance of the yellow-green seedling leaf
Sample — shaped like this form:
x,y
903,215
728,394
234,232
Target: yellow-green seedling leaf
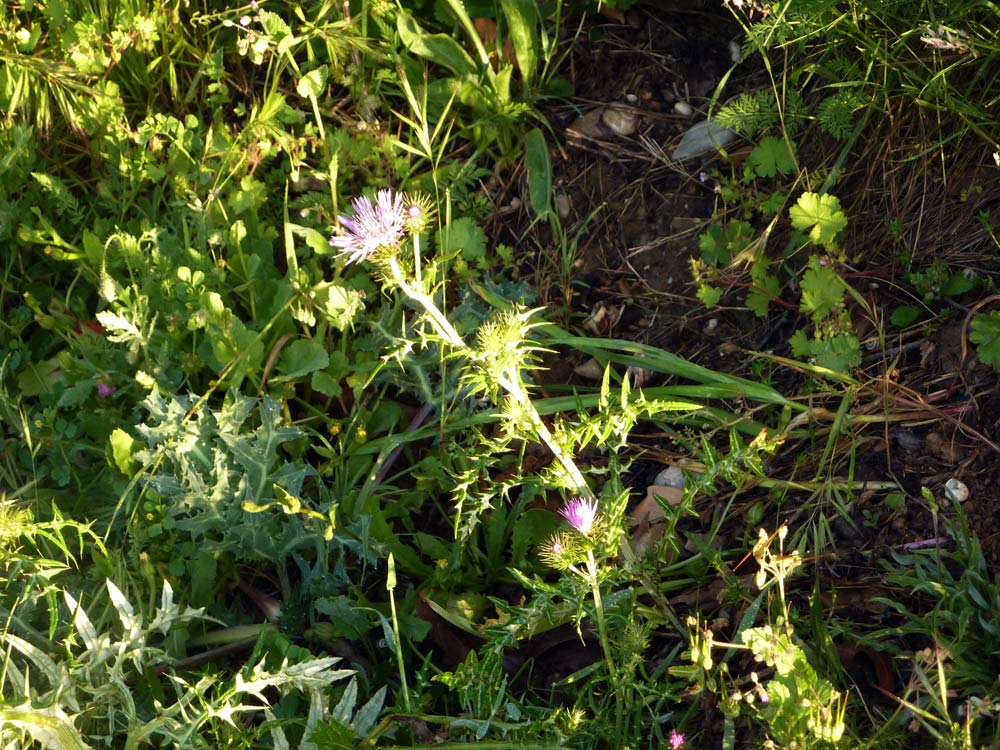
x,y
123,447
313,82
820,215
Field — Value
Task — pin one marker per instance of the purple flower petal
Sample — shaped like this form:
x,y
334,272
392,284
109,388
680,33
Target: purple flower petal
x,y
372,228
580,512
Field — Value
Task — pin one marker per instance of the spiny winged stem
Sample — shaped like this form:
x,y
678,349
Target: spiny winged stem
x,y
509,381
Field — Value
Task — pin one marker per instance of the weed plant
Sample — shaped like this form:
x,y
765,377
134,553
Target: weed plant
x,y
277,470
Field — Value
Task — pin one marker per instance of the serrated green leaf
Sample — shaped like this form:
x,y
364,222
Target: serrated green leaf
x,y
323,382
822,292
708,295
75,394
759,299
821,215
771,156
368,714
463,236
985,334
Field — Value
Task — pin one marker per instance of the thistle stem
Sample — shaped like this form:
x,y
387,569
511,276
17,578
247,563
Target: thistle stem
x,y
508,381
602,633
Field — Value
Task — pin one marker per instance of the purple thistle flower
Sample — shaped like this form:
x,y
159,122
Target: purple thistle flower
x,y
580,512
676,740
372,228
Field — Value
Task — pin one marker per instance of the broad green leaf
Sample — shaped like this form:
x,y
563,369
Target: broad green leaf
x,y
958,284
313,82
821,215
302,357
340,305
904,315
324,383
522,17
539,165
316,240
75,394
439,49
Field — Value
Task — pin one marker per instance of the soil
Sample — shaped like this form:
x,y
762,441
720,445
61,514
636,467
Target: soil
x,y
926,411
639,217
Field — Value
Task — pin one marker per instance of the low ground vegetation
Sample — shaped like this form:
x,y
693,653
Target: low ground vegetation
x,y
335,412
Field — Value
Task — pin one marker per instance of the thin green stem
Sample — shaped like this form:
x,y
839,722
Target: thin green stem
x,y
602,633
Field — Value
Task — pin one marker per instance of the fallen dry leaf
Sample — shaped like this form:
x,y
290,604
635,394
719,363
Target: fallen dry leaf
x,y
647,520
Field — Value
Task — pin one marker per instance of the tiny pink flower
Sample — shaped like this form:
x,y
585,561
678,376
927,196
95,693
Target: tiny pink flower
x,y
580,512
372,228
676,740
104,390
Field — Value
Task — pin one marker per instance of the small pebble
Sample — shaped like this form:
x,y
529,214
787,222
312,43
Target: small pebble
x,y
672,476
591,369
515,203
956,491
631,98
683,108
562,205
711,325
735,53
620,120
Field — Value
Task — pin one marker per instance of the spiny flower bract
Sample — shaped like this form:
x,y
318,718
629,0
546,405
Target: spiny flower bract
x,y
419,212
372,228
561,551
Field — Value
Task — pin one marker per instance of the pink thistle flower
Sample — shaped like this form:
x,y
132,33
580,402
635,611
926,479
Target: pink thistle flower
x,y
676,740
373,227
580,512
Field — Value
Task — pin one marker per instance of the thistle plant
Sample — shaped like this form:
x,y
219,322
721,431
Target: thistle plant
x,y
379,233
565,550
